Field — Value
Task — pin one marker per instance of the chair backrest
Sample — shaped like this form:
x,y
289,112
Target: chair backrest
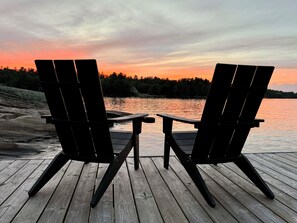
x,y
233,101
74,96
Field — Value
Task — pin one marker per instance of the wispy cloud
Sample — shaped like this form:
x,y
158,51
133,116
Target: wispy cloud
x,y
151,37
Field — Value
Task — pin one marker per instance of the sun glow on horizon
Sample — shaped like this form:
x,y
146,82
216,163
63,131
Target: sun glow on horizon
x,y
280,77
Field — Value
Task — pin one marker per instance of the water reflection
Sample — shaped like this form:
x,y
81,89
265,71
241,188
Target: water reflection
x,y
117,103
190,108
277,133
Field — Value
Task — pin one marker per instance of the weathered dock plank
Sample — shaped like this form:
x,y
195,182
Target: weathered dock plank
x,y
104,211
276,205
287,168
4,164
56,209
149,194
242,194
39,201
191,208
125,208
9,170
168,206
216,214
288,156
284,160
147,208
10,185
230,203
276,175
14,203
79,210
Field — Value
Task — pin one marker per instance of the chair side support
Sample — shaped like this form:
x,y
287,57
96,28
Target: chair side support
x,y
193,172
247,168
57,163
110,173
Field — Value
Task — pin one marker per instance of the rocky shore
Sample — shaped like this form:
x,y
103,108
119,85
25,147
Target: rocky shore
x,y
22,131
24,134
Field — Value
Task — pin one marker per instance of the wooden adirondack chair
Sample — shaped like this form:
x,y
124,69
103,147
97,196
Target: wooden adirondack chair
x,y
234,98
74,96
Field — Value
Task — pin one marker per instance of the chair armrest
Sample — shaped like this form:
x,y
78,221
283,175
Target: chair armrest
x,y
127,118
257,122
48,118
116,117
179,119
148,120
114,114
137,119
168,121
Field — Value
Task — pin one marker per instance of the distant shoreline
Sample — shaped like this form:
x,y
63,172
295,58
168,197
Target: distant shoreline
x,y
37,97
120,85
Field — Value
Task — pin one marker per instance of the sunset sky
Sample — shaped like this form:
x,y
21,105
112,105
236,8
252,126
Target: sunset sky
x,y
163,38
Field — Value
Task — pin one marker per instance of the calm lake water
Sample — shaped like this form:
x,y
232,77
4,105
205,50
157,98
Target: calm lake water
x,y
277,133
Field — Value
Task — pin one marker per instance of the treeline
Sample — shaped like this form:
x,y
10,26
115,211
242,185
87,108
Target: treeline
x,y
120,85
21,78
280,94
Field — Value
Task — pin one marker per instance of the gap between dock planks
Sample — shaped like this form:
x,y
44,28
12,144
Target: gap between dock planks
x,y
149,194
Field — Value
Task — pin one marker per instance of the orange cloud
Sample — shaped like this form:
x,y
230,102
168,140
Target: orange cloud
x,y
23,54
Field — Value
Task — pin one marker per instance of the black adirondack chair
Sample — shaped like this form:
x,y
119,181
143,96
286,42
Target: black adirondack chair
x,y
233,101
74,96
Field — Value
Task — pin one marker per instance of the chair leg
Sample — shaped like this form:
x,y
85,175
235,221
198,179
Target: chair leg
x,y
244,164
166,152
110,173
195,175
136,151
105,182
199,182
57,163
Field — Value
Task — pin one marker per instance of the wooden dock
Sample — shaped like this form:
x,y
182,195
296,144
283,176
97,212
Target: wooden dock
x,y
151,194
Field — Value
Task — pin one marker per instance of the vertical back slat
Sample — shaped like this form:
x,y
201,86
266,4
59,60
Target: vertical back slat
x,y
51,89
234,98
250,109
257,92
220,85
91,90
67,77
219,90
233,107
